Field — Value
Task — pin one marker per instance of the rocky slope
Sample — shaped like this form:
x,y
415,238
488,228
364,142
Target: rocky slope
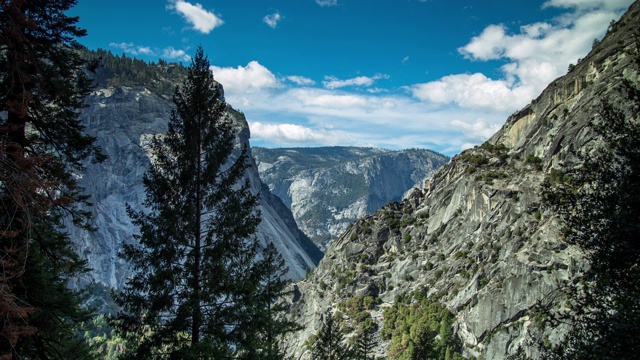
x,y
477,237
122,118
328,188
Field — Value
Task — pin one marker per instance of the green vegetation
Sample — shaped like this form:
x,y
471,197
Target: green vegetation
x,y
353,187
489,176
357,310
534,161
114,70
328,343
420,328
474,159
43,83
198,288
600,205
104,339
499,150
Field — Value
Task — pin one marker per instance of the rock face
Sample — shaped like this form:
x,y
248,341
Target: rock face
x,y
477,236
328,188
122,118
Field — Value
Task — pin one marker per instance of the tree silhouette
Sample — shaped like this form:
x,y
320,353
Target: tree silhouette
x,y
42,144
600,205
199,289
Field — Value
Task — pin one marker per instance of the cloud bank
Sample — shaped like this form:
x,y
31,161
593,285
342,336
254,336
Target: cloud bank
x,y
535,54
448,114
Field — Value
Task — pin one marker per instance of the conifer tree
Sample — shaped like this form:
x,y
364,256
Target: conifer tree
x,y
364,344
328,344
199,288
42,145
600,205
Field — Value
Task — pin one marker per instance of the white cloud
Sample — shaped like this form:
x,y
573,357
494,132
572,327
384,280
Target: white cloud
x,y
177,54
405,59
245,79
475,91
327,2
610,5
477,130
300,80
272,19
132,49
331,82
202,20
376,90
292,134
486,46
535,55
450,114
322,99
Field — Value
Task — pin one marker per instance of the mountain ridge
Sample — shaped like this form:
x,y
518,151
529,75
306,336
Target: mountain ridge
x,y
477,237
122,118
328,188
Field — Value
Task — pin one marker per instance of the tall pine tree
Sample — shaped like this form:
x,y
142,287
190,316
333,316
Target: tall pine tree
x,y
199,289
42,144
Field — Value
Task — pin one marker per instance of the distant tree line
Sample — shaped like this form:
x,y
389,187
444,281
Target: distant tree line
x,y
119,70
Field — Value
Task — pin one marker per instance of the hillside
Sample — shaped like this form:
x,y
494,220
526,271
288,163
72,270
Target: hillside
x,y
122,115
328,188
476,238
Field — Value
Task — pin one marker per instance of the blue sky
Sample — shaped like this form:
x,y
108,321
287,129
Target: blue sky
x,y
436,74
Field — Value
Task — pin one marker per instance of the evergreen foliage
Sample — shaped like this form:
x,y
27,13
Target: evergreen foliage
x,y
114,70
412,325
199,290
364,344
42,144
328,343
600,205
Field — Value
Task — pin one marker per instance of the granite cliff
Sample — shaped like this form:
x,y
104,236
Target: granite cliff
x,y
122,118
328,188
477,237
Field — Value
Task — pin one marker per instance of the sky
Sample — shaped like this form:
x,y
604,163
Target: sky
x,y
436,74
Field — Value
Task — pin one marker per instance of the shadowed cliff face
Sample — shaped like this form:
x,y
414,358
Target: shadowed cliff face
x,y
122,119
477,237
328,188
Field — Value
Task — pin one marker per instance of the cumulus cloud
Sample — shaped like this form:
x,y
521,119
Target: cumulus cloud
x,y
245,79
449,114
327,2
272,19
475,131
175,54
331,82
486,46
291,133
300,80
132,49
471,91
202,20
535,54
